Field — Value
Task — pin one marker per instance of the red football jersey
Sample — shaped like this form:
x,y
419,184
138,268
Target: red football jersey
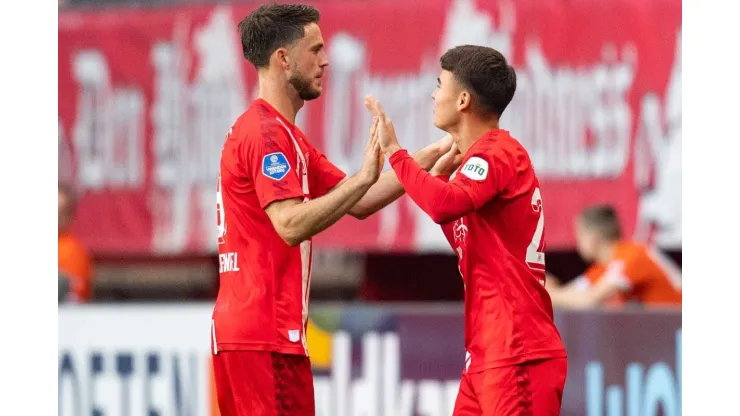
x,y
262,301
500,248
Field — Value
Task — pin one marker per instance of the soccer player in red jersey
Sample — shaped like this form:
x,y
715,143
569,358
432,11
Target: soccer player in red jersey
x,y
275,191
491,212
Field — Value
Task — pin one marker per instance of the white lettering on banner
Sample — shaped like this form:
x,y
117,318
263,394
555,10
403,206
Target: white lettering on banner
x,y
189,119
228,262
657,158
556,108
406,97
379,391
575,121
645,392
145,360
130,382
109,128
134,360
66,165
553,113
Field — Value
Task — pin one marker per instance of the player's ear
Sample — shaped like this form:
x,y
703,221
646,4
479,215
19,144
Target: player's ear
x,y
463,101
281,55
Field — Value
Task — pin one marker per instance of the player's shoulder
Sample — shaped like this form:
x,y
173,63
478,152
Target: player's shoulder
x,y
500,141
71,244
259,117
258,124
594,272
499,147
630,251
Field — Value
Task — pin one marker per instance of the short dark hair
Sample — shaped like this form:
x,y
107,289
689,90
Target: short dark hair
x,y
604,220
273,26
486,73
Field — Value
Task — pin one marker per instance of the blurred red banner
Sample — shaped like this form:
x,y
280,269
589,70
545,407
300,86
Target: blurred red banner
x,y
146,97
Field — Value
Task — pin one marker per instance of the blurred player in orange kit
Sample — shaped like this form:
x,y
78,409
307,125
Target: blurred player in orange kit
x,y
622,271
491,211
75,264
275,191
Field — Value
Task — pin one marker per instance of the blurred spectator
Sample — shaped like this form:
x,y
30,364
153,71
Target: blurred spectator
x,y
63,287
75,264
622,271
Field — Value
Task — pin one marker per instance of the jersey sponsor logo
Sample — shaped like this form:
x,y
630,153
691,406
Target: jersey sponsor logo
x,y
275,166
475,168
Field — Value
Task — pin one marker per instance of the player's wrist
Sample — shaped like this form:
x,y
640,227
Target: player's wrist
x,y
390,150
366,179
428,156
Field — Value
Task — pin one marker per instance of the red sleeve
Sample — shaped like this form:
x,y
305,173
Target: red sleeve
x,y
447,228
271,163
443,202
485,175
322,174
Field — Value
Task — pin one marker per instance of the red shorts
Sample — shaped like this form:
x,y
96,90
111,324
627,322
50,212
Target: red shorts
x,y
263,383
533,388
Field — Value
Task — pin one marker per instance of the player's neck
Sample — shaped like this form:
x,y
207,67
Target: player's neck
x,y
280,95
606,252
470,130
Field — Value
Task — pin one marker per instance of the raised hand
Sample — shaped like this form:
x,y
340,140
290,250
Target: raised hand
x,y
373,160
386,132
448,162
444,144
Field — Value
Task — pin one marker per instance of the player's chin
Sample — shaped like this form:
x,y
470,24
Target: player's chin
x,y
316,93
438,123
318,87
311,93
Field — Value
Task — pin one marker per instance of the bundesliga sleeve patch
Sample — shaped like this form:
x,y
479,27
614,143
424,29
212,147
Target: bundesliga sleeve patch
x,y
475,168
275,166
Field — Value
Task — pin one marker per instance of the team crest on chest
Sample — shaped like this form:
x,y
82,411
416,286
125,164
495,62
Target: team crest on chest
x,y
460,230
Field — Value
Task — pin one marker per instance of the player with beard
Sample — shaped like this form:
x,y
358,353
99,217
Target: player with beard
x,y
275,191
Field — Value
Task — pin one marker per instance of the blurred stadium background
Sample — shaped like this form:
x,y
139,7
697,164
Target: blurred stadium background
x,y
147,92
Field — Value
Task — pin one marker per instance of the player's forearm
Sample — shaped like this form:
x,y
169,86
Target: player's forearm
x,y
442,201
569,298
387,189
552,282
306,220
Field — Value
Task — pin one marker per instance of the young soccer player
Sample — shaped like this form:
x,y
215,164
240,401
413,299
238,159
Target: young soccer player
x,y
491,211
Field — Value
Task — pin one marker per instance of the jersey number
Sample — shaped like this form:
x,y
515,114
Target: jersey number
x,y
535,251
220,211
220,214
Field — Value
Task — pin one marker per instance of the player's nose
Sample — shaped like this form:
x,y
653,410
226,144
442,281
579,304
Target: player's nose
x,y
323,59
